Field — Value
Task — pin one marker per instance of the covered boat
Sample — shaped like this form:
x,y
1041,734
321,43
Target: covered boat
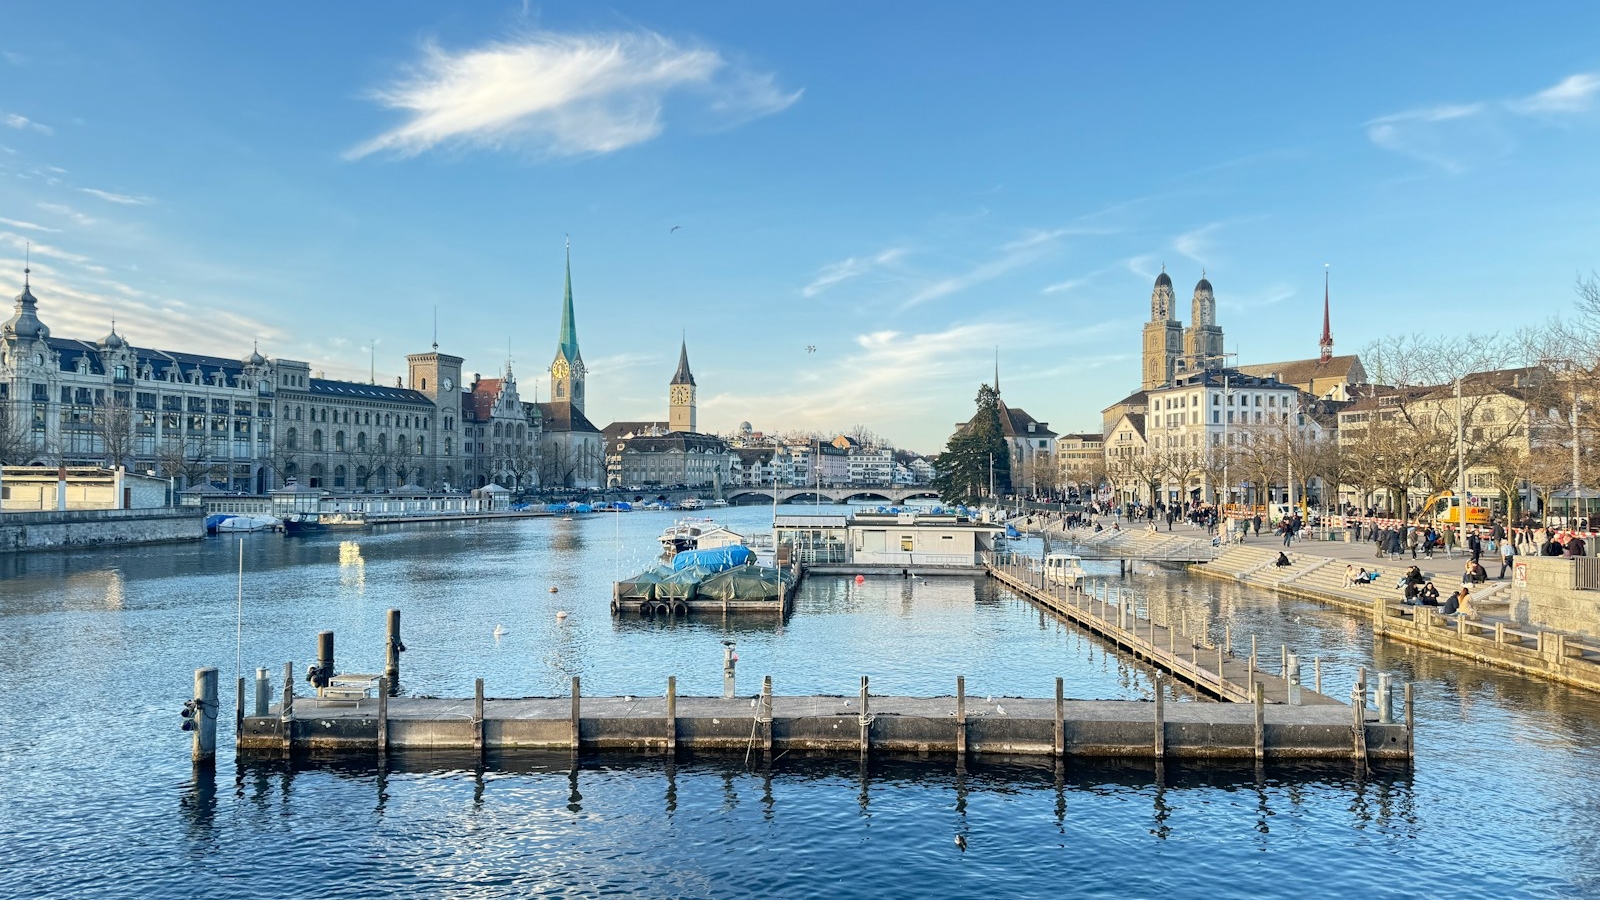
x,y
643,585
714,559
744,583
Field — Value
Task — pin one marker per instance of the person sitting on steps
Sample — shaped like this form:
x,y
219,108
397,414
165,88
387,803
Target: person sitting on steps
x,y
1283,560
1349,576
1428,596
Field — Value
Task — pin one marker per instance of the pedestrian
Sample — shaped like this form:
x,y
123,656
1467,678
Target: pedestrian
x,y
1450,542
1506,554
1411,541
1258,524
1288,532
1380,541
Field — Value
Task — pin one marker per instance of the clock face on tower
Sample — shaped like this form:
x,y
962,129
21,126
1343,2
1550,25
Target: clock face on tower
x,y
680,395
448,384
559,370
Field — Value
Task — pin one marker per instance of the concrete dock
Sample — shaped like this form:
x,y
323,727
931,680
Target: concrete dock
x,y
825,724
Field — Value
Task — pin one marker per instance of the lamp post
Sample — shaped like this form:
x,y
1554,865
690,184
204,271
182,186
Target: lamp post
x,y
1461,469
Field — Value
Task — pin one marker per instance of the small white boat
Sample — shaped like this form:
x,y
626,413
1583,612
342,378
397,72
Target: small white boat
x,y
249,523
696,534
719,502
693,503
1063,568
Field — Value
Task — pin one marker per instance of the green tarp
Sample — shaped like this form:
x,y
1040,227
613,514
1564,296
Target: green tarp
x,y
743,583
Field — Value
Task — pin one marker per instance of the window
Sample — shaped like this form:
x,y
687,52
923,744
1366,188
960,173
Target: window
x,y
316,440
289,438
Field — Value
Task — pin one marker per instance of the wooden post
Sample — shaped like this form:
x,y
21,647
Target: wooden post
x,y
866,720
1361,686
206,709
1222,679
576,721
672,713
286,711
477,716
1358,709
1227,638
1061,721
324,660
1283,661
1161,721
238,712
961,717
383,717
1259,697
391,665
1411,725
766,713
1316,667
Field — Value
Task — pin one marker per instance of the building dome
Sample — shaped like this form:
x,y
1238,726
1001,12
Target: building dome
x,y
112,341
1163,280
1203,285
255,359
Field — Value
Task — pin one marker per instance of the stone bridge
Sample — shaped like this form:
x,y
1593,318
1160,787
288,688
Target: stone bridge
x,y
854,493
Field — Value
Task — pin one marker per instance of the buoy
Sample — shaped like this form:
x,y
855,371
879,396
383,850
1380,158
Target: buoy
x,y
561,614
861,579
554,589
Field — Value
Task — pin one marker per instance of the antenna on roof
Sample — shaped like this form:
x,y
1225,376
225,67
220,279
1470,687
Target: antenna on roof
x,y
372,371
27,263
436,328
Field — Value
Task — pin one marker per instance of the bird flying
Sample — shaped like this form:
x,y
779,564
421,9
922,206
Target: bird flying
x,y
673,228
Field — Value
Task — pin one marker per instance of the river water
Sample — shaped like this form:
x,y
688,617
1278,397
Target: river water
x,y
98,798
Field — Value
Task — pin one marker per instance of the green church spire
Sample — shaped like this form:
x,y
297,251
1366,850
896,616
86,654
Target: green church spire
x,y
569,329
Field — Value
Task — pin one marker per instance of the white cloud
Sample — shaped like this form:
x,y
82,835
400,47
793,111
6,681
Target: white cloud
x,y
1197,244
562,95
1415,133
20,243
23,123
116,198
1013,255
16,59
1573,94
29,226
846,269
61,209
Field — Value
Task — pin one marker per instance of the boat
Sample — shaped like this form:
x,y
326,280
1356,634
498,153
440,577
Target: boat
x,y
304,523
1063,568
696,534
692,503
719,502
248,523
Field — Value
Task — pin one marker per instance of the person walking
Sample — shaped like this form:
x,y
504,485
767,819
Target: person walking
x,y
1411,541
1258,524
1475,544
1507,552
1288,531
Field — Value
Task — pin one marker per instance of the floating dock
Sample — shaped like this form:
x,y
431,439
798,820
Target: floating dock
x,y
824,724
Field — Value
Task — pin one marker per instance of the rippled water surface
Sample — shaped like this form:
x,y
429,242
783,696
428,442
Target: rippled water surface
x,y
98,799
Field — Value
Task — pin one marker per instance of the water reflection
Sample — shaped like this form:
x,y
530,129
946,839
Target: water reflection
x,y
352,567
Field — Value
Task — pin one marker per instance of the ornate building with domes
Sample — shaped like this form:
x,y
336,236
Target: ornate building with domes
x,y
251,423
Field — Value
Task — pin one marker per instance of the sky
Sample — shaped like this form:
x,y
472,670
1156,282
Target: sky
x,y
844,208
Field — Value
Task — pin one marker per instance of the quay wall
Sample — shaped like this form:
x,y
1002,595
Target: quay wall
x,y
1546,598
54,530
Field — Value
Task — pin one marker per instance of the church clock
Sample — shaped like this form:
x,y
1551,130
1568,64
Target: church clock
x,y
559,370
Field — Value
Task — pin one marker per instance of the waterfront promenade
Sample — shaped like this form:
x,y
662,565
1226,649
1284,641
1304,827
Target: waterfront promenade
x,y
1494,627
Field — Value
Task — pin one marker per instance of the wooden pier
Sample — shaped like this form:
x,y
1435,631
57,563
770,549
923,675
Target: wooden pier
x,y
859,725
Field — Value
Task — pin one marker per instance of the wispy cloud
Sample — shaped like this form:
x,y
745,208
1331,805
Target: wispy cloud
x,y
1450,136
853,267
116,198
11,56
563,94
23,123
1198,244
1012,255
19,242
61,209
28,226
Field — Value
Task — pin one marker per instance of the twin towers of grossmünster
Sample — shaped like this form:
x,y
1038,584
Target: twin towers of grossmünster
x,y
1169,348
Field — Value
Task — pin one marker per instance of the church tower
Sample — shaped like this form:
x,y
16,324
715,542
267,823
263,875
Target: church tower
x,y
681,394
1163,336
567,370
1202,341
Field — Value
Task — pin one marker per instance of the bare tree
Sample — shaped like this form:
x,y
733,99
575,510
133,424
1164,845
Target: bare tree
x,y
188,456
112,426
16,446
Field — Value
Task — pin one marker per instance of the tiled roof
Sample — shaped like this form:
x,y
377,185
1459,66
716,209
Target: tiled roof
x,y
561,416
1346,368
351,390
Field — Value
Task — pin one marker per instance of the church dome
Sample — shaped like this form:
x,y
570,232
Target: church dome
x,y
112,341
1163,280
255,359
1203,285
24,323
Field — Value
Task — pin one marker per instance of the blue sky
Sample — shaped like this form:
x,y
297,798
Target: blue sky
x,y
900,186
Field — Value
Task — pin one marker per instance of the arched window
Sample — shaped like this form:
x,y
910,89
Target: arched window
x,y
383,443
403,444
290,471
382,478
446,446
316,439
422,446
316,475
338,440
338,476
361,477
497,430
290,439
361,442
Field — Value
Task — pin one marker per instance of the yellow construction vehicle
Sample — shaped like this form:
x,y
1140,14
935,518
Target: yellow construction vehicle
x,y
1445,508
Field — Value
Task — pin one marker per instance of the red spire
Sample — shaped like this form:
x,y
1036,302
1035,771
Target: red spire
x,y
1327,331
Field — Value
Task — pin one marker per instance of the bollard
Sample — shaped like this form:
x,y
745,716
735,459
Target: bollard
x,y
1411,723
866,720
391,665
263,691
1061,722
324,669
1361,685
1258,696
1292,666
1316,667
961,717
729,660
286,711
1161,720
477,716
1385,698
383,717
205,711
672,713
766,714
577,718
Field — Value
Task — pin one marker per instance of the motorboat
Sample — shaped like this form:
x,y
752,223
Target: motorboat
x,y
719,502
696,534
304,523
1063,568
248,523
692,503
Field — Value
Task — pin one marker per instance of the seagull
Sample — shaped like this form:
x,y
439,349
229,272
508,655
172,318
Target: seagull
x,y
673,228
811,348
961,843
999,709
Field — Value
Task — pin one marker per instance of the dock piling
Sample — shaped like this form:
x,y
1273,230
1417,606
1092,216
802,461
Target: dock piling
x,y
206,708
238,710
1061,721
1161,720
1316,668
1292,667
392,651
286,711
383,717
576,720
1361,688
1411,725
961,718
1259,697
672,714
729,660
263,691
324,669
477,716
1384,698
766,714
866,720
